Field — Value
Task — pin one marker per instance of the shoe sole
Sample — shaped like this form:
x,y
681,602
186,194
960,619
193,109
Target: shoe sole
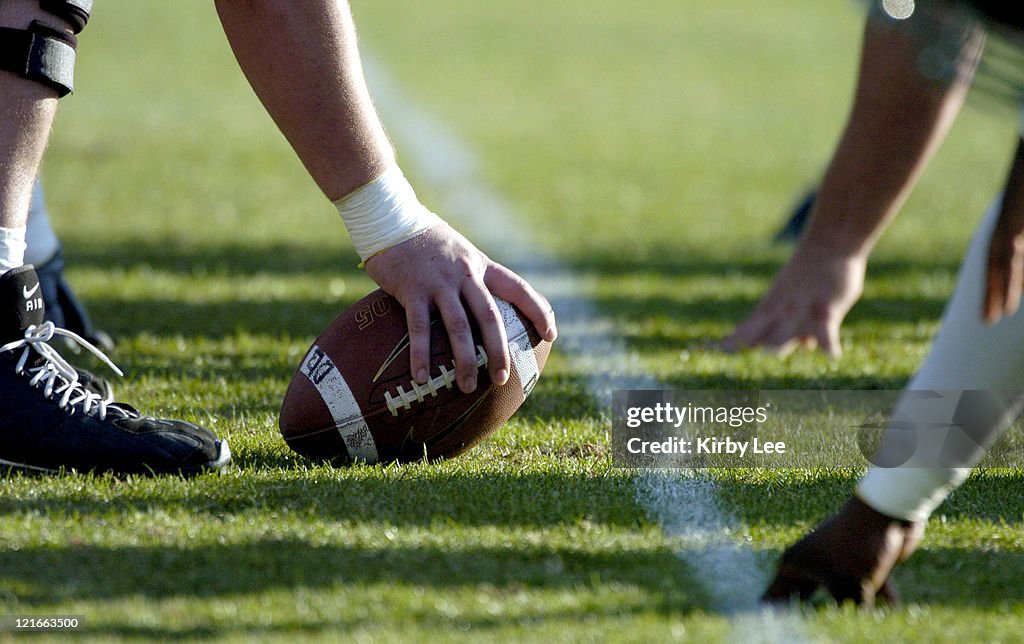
x,y
218,464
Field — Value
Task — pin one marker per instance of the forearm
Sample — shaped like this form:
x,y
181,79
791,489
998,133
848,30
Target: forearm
x,y
898,120
302,61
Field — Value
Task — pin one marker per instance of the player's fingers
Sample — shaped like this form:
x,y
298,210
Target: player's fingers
x,y
846,588
779,345
785,337
492,329
828,339
785,347
417,317
748,334
735,341
790,583
806,343
728,344
510,287
809,334
888,594
460,335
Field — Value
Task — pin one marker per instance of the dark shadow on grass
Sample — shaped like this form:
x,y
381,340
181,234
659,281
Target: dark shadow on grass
x,y
684,310
989,498
339,626
962,577
226,258
46,575
292,317
422,497
406,498
669,260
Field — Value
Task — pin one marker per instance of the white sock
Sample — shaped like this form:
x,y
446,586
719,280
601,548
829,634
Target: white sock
x,y
12,248
42,241
977,374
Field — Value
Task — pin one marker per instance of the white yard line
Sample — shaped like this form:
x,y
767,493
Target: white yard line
x,y
687,506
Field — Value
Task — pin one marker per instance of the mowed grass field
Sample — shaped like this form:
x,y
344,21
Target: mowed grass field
x,y
653,148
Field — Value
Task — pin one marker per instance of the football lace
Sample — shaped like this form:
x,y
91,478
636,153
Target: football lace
x,y
404,399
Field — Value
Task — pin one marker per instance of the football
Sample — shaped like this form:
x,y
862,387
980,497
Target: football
x,y
353,397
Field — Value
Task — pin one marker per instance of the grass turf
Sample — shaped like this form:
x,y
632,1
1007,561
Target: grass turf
x,y
654,149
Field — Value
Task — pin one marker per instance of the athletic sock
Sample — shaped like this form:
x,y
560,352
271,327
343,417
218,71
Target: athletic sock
x,y
12,248
962,398
42,241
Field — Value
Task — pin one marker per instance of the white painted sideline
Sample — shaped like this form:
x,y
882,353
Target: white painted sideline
x,y
685,504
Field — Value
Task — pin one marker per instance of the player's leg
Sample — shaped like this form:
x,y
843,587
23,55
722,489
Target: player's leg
x,y
48,420
26,115
965,394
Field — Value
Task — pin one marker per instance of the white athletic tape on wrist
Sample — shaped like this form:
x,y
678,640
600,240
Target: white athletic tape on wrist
x,y
384,213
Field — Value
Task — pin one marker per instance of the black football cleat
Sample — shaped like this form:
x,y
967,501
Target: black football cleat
x,y
66,312
50,422
95,384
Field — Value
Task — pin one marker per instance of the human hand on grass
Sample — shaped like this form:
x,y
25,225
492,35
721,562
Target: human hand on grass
x,y
440,269
805,305
850,556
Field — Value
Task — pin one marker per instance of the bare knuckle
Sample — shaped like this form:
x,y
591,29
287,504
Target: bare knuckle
x,y
464,266
459,329
518,282
490,314
419,326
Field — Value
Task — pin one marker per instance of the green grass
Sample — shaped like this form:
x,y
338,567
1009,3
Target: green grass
x,y
653,147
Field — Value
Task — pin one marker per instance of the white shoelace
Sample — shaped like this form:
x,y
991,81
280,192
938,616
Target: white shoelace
x,y
58,378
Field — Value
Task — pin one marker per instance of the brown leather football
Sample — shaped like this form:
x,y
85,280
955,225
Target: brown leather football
x,y
353,397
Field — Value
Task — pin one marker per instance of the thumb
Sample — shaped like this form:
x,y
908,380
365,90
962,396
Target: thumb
x,y
828,339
